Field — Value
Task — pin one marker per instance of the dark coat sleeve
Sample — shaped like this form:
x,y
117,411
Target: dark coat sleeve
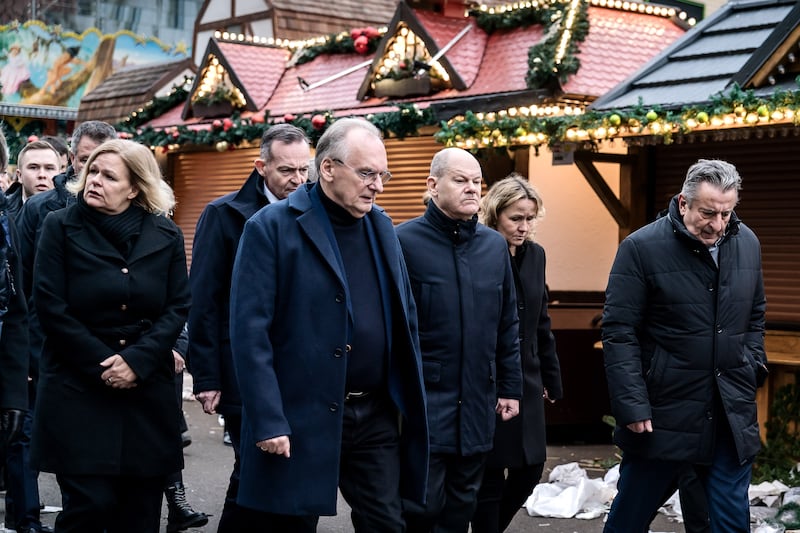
x,y
546,349
14,339
509,373
626,302
208,316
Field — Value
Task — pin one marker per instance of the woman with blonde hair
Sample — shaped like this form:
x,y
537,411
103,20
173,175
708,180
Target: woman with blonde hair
x,y
512,207
112,293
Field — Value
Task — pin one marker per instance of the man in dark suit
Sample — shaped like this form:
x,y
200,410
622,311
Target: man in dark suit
x,y
324,340
281,167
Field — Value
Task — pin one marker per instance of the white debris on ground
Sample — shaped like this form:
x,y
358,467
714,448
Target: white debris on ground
x,y
570,493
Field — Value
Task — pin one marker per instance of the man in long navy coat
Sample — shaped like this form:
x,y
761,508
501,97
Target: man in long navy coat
x,y
281,167
324,341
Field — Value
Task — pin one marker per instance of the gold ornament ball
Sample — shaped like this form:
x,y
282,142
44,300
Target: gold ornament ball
x,y
221,146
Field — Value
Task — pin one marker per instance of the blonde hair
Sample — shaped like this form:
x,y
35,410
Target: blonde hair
x,y
155,195
504,193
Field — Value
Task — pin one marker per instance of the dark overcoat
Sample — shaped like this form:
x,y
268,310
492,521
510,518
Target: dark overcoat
x,y
522,440
213,251
94,303
468,327
680,332
289,324
13,325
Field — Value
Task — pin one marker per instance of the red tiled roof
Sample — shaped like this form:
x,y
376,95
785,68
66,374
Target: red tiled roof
x,y
259,68
467,54
505,62
618,44
289,97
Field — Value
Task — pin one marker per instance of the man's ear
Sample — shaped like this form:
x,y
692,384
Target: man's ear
x,y
259,164
431,183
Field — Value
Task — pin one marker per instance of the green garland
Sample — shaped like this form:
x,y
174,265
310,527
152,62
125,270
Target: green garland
x,y
228,133
515,18
156,107
336,43
542,64
734,108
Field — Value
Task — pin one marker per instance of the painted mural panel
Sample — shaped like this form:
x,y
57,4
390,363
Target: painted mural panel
x,y
47,65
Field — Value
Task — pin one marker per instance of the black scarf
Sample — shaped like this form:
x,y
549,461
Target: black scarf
x,y
121,230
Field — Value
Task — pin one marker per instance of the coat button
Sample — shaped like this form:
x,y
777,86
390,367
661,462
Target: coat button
x,y
124,270
123,307
123,342
339,297
333,407
348,348
337,352
718,372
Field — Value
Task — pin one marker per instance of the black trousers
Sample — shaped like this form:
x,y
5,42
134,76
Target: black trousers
x,y
109,504
369,472
234,517
502,493
453,483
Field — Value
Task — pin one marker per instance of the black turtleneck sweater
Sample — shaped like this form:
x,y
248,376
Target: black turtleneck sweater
x,y
366,364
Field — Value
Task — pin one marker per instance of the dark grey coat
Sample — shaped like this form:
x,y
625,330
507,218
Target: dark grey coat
x,y
683,339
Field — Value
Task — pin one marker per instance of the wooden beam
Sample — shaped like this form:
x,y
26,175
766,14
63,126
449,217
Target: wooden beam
x,y
585,162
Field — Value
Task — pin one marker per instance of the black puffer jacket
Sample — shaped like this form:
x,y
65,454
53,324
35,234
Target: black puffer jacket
x,y
684,340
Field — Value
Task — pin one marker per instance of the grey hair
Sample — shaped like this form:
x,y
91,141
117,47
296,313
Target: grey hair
x,y
96,130
284,133
332,146
717,173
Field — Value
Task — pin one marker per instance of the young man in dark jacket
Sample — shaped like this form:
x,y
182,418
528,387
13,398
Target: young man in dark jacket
x,y
683,340
468,329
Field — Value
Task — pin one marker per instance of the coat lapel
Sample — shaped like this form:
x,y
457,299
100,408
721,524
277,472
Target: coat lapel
x,y
311,225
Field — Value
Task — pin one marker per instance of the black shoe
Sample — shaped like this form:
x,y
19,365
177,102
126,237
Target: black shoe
x,y
181,515
226,439
36,529
186,439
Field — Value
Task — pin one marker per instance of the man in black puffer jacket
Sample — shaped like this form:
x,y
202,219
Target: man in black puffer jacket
x,y
683,340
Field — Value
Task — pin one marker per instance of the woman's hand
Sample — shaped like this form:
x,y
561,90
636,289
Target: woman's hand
x,y
117,373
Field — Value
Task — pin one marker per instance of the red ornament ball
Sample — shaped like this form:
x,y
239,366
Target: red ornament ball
x,y
361,44
318,121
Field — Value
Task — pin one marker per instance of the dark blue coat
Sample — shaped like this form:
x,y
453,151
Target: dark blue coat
x,y
468,328
680,332
213,251
289,323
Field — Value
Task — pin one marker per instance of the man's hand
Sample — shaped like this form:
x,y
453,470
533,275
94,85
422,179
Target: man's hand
x,y
643,426
507,408
278,445
210,400
180,363
10,423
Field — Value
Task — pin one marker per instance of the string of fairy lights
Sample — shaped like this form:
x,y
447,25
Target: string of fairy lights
x,y
527,125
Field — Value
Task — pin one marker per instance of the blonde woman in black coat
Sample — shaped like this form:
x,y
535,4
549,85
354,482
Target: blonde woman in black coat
x,y
515,465
111,290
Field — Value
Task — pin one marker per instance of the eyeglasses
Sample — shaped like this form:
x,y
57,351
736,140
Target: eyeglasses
x,y
367,176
